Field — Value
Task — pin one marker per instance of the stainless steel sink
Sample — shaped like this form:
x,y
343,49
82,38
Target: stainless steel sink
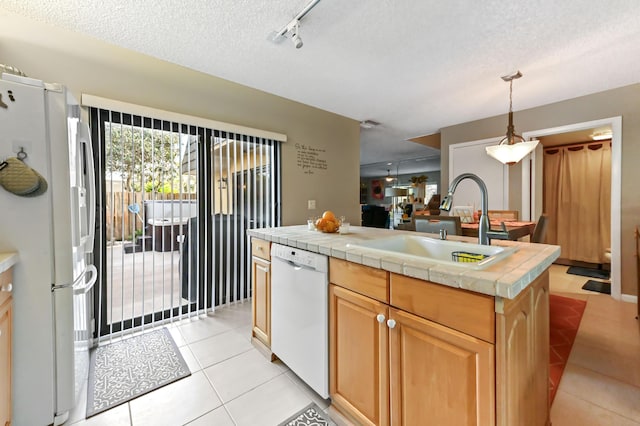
x,y
431,250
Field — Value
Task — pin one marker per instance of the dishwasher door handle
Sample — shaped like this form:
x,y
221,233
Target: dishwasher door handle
x,y
298,267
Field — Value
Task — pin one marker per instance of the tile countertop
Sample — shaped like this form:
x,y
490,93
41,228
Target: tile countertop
x,y
506,278
7,260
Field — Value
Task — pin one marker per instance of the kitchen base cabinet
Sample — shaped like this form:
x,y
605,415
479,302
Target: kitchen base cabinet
x,y
261,294
5,347
439,376
389,366
358,359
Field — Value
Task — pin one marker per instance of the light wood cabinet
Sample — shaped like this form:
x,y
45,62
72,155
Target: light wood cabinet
x,y
5,347
358,359
414,352
522,357
261,291
439,376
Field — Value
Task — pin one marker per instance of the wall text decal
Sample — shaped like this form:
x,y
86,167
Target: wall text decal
x,y
310,159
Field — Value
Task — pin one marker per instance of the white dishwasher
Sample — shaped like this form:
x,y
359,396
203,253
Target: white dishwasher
x,y
299,314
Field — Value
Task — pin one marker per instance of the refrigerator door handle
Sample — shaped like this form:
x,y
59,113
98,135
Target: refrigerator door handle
x,y
60,286
94,277
85,286
84,137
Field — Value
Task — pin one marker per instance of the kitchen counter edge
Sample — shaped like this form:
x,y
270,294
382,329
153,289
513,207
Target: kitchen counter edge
x,y
7,260
506,278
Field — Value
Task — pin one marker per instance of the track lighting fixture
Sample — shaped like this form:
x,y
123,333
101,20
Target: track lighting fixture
x,y
292,29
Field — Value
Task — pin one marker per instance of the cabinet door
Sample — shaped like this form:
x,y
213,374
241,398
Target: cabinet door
x,y
439,376
5,362
261,299
358,362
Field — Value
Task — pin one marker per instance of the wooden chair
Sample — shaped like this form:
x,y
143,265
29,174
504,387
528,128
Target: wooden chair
x,y
433,224
501,214
540,230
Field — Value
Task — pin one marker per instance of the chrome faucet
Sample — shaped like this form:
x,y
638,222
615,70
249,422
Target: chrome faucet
x,y
484,199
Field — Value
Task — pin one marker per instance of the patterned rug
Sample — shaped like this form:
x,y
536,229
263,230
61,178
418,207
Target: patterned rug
x,y
311,415
564,319
124,370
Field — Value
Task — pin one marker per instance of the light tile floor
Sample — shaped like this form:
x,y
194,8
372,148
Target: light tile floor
x,y
601,382
231,382
234,384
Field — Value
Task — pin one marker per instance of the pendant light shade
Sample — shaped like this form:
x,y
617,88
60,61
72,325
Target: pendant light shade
x,y
512,148
389,178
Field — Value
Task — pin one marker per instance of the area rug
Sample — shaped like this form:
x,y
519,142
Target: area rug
x,y
124,370
588,272
599,286
311,415
564,319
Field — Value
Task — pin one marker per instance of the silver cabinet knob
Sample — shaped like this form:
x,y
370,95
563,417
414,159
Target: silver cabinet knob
x,y
380,318
391,323
7,287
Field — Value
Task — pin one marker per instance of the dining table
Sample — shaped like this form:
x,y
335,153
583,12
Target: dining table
x,y
514,230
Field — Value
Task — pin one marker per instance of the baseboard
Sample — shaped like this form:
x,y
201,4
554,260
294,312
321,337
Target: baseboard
x,y
629,298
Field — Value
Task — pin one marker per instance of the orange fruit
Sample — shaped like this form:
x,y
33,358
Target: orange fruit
x,y
321,224
330,226
328,215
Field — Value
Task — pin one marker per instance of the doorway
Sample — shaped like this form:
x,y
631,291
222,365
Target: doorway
x,y
532,184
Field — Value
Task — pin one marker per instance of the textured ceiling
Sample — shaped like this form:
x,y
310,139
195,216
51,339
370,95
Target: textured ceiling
x,y
415,66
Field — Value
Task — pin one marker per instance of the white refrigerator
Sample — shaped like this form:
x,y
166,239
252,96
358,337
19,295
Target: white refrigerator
x,y
53,234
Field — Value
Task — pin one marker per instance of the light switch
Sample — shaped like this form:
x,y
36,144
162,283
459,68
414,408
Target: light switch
x,y
311,204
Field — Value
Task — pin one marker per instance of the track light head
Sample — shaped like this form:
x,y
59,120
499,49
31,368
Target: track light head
x,y
295,35
297,41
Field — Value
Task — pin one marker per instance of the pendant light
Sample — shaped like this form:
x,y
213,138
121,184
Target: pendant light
x,y
512,148
389,178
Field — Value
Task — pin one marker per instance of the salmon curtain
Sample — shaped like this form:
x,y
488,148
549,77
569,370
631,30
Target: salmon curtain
x,y
577,200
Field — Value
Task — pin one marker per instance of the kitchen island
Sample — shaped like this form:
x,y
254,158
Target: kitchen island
x,y
414,342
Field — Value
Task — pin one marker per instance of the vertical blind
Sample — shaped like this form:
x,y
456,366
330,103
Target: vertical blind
x,y
174,203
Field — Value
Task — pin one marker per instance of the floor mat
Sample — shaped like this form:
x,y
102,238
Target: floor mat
x,y
599,286
311,415
564,319
126,369
588,272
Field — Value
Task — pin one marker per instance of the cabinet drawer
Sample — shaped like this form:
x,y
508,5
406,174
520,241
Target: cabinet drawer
x,y
462,310
362,279
6,278
261,248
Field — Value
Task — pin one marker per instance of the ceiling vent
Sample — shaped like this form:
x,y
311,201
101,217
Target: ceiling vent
x,y
369,124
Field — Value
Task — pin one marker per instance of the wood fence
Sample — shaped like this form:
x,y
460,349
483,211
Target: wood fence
x,y
122,223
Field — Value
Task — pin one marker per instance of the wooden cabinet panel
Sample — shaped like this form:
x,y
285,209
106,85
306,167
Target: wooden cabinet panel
x,y
541,352
362,279
358,362
462,310
522,357
5,347
261,248
6,281
261,299
438,376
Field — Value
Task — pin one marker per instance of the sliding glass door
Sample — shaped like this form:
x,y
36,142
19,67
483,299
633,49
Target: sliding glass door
x,y
174,205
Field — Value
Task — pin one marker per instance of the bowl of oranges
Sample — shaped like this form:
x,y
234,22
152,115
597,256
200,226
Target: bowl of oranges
x,y
328,223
